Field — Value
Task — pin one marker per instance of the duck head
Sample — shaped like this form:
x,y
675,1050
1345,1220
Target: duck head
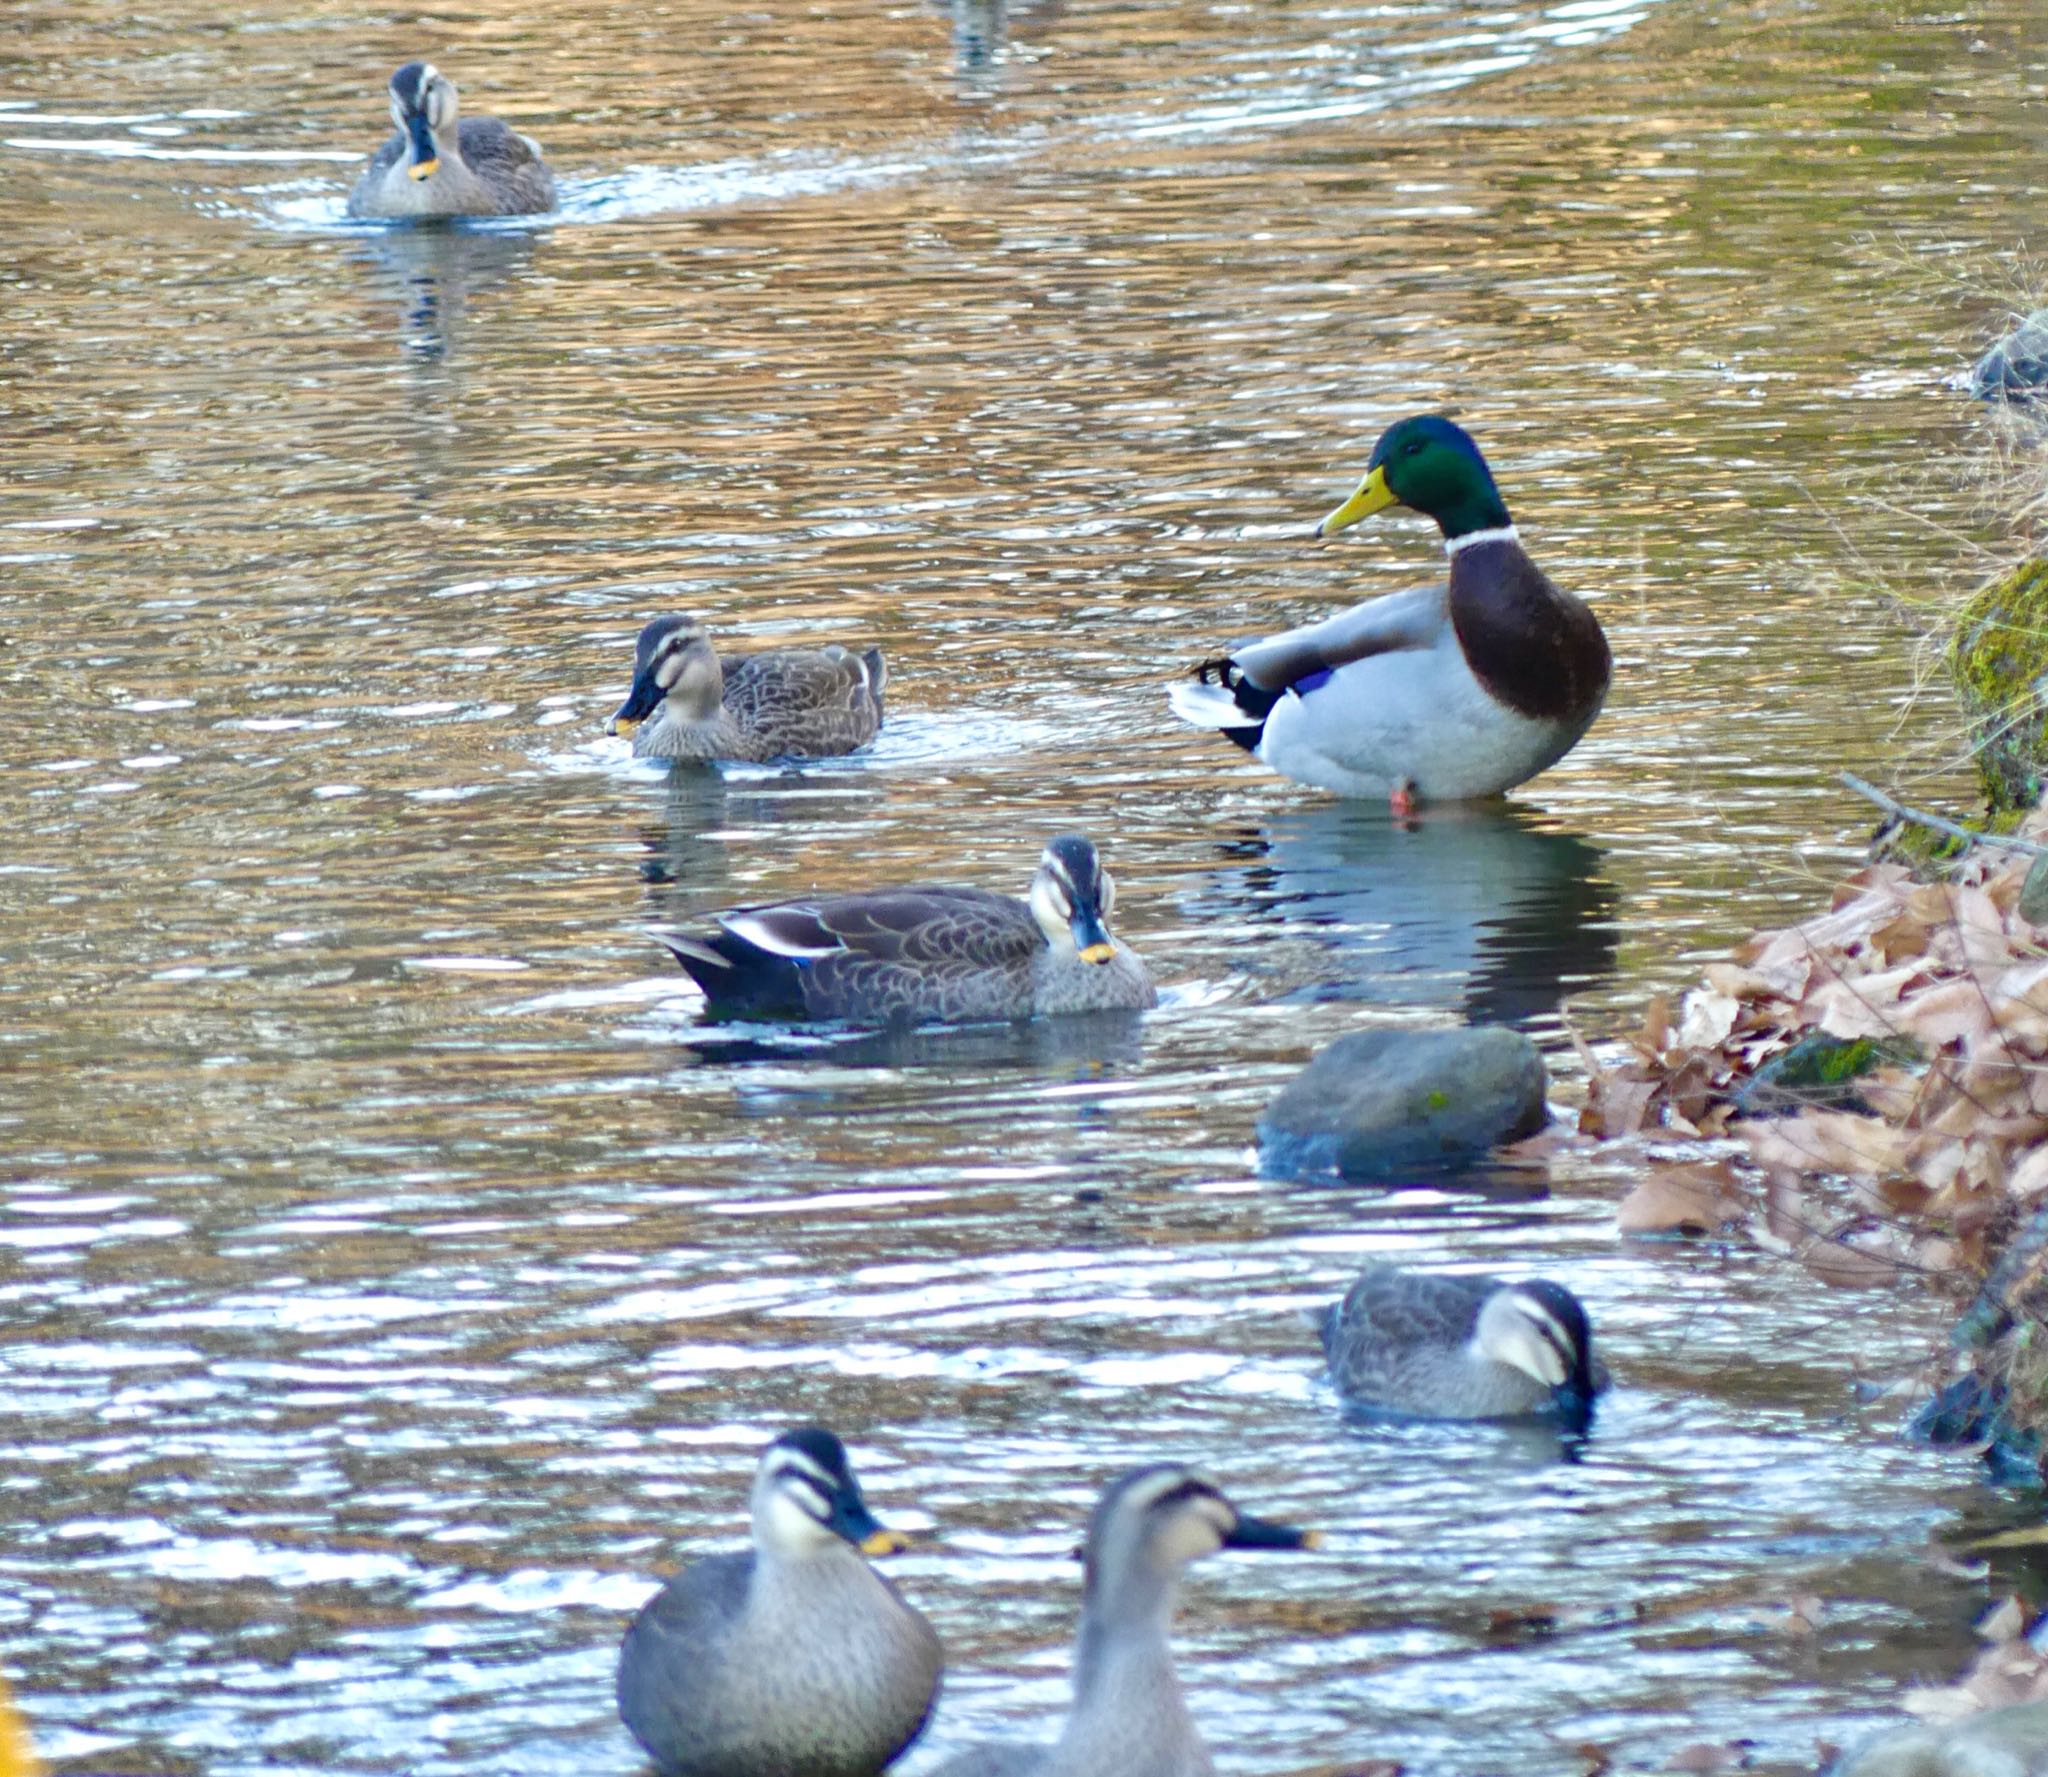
x,y
673,665
423,105
1071,897
1432,466
1155,1520
1540,1329
806,1500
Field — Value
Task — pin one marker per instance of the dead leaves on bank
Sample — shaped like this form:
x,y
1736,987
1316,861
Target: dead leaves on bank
x,y
2010,1670
1923,1118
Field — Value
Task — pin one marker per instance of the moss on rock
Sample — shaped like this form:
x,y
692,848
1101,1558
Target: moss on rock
x,y
1999,658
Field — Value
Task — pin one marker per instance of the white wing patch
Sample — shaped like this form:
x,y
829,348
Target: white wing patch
x,y
762,931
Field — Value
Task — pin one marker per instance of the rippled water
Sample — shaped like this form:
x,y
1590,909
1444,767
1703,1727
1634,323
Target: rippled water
x,y
397,1281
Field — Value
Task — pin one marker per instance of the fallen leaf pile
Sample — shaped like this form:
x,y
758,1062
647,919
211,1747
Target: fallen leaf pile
x,y
1918,1139
2010,1670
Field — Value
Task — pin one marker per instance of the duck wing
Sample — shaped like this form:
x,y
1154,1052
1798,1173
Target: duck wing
x,y
672,1649
1237,690
807,701
1388,1313
917,926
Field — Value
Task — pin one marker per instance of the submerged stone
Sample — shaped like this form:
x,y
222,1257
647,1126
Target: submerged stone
x,y
1999,1743
1379,1103
2016,367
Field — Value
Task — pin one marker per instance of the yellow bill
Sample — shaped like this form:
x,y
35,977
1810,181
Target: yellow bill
x,y
1373,495
884,1542
623,725
1098,953
424,169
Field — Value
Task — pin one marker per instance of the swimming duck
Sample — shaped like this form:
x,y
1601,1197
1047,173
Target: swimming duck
x,y
443,164
1439,694
922,954
785,703
1129,1717
1463,1347
795,1657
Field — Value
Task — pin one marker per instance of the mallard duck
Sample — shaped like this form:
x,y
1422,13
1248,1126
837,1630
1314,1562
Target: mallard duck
x,y
785,703
1463,1347
793,1657
443,164
924,954
1129,1717
1438,694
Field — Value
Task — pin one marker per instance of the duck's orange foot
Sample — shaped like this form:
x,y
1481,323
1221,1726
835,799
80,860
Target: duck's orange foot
x,y
1401,800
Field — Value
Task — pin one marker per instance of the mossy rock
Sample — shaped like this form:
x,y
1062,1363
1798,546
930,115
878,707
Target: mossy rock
x,y
2000,661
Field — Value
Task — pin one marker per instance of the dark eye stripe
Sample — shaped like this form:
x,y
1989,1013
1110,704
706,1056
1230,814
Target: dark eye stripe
x,y
790,1472
1181,1494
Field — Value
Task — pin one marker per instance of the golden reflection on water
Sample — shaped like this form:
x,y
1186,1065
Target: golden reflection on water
x,y
397,1279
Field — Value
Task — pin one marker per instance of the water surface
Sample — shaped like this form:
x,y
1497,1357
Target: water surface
x,y
397,1281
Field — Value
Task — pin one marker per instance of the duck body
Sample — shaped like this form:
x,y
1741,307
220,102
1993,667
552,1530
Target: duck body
x,y
1130,1717
1444,693
440,164
1442,1347
792,1659
687,704
926,954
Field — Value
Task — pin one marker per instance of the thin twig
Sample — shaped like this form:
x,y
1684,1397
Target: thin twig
x,y
1939,824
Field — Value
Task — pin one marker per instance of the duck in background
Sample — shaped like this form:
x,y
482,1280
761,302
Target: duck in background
x,y
927,954
1442,693
442,164
1463,1347
783,703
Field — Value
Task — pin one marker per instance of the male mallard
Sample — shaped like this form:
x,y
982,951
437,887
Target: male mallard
x,y
442,164
1129,1717
1463,1347
795,1656
1442,693
786,703
920,955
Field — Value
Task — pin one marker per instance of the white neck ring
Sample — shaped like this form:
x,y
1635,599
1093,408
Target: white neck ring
x,y
1500,533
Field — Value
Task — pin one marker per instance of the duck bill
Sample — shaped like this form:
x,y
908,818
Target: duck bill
x,y
1091,937
1574,1406
1261,1533
641,702
1373,495
424,159
852,1520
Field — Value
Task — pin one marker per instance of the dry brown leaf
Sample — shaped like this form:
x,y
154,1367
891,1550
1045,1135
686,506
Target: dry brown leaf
x,y
2029,1178
1867,1263
1954,1011
1824,1141
1705,1018
1683,1198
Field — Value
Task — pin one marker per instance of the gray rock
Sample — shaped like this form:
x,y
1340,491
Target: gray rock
x,y
1999,1743
1379,1103
2016,368
2033,904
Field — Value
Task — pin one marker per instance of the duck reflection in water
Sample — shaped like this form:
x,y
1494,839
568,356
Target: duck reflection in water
x,y
981,36
1483,909
432,273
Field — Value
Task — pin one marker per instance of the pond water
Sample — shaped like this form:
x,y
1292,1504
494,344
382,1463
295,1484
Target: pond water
x,y
397,1281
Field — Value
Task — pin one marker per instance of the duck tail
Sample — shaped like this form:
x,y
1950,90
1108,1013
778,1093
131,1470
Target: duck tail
x,y
700,961
1218,696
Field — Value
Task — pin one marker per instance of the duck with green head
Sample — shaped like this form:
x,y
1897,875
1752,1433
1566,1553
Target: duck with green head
x,y
1439,694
